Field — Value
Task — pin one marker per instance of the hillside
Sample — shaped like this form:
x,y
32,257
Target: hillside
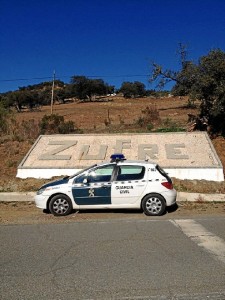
x,y
115,114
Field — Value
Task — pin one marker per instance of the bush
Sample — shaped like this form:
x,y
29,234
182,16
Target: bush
x,y
66,127
150,115
26,130
55,124
169,125
3,118
150,127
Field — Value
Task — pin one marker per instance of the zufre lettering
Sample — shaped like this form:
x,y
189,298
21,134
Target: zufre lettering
x,y
173,151
52,155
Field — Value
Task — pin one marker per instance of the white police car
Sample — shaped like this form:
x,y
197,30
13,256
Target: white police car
x,y
118,184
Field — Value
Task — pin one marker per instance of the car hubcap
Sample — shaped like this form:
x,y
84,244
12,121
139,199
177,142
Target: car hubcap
x,y
60,206
154,205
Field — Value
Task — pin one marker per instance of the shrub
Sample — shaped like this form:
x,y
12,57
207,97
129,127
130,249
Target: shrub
x,y
150,115
150,127
3,118
169,125
55,124
26,130
66,127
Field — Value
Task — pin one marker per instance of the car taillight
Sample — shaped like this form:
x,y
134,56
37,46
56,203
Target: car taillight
x,y
167,185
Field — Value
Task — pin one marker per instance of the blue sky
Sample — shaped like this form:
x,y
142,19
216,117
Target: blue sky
x,y
114,40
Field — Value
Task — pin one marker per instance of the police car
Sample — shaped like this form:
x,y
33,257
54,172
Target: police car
x,y
117,184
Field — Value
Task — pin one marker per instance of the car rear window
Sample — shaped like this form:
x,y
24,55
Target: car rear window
x,y
163,173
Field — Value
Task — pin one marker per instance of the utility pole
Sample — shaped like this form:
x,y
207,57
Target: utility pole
x,y
53,85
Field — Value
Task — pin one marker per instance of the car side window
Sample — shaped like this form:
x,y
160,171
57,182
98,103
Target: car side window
x,y
130,173
102,174
80,178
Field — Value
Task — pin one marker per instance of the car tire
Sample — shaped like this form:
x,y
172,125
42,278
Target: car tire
x,y
60,205
153,205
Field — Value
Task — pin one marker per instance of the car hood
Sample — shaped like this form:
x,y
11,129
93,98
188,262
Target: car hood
x,y
56,182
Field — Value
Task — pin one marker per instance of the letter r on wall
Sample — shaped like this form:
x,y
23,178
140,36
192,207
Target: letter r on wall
x,y
147,150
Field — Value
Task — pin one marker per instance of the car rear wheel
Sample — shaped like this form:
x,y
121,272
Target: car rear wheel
x,y
60,205
153,205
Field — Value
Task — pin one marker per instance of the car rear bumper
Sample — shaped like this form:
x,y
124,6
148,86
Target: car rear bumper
x,y
170,197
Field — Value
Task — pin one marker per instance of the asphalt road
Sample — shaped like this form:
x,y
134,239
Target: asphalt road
x,y
179,258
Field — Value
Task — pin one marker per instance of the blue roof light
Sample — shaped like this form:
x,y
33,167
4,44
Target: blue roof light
x,y
117,157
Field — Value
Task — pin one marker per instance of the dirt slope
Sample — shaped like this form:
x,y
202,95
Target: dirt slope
x,y
114,115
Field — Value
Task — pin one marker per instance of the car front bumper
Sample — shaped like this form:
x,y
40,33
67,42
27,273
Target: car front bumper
x,y
41,201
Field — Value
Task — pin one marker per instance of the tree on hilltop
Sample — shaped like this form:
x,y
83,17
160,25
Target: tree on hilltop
x,y
132,89
85,88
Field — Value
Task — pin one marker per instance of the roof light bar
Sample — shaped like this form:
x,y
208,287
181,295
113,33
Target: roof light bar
x,y
116,157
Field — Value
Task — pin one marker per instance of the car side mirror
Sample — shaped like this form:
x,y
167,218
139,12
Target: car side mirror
x,y
85,181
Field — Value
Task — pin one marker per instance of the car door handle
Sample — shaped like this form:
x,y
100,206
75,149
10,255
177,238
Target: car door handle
x,y
106,185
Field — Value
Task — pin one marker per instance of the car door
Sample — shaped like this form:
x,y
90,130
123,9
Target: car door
x,y
94,187
129,184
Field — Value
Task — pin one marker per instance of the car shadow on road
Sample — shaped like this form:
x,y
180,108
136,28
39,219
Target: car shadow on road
x,y
109,211
171,209
124,212
115,212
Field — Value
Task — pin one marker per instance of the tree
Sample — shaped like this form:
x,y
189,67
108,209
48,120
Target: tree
x,y
23,98
40,94
140,88
15,99
132,89
128,89
85,88
205,81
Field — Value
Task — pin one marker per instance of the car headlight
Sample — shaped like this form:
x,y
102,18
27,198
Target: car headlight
x,y
45,189
39,192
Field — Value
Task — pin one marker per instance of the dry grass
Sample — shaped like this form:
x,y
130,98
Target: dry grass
x,y
118,115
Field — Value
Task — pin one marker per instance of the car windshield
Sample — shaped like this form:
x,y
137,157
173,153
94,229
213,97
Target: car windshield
x,y
83,170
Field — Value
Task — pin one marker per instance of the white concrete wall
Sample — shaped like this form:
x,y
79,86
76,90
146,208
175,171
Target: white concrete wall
x,y
199,174
44,173
181,173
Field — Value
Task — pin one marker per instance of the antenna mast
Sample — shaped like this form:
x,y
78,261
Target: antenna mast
x,y
52,98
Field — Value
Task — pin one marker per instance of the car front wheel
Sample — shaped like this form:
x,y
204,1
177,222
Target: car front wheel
x,y
153,205
60,205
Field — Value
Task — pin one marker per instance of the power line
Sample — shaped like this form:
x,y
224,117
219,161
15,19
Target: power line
x,y
24,79
88,76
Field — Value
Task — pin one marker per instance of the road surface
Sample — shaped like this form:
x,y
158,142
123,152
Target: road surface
x,y
132,258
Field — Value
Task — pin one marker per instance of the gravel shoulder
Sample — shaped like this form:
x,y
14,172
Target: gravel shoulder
x,y
27,213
